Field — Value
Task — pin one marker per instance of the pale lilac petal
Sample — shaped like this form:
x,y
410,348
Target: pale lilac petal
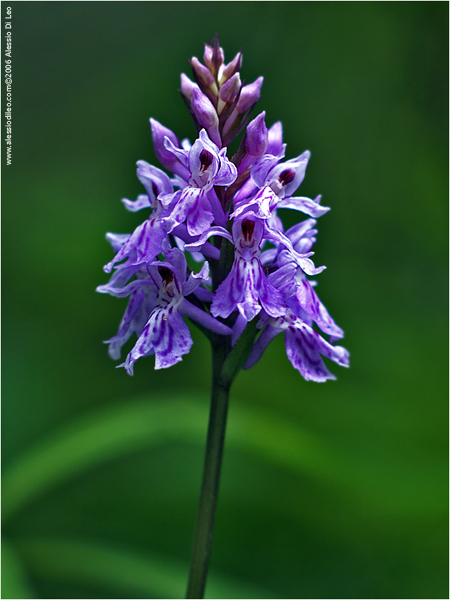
x,y
245,191
204,162
181,155
153,179
283,279
227,170
262,204
195,279
207,249
146,242
200,216
197,245
261,169
304,347
270,298
239,290
268,256
117,240
228,294
126,290
142,201
250,278
296,168
310,303
120,278
302,260
305,205
186,200
133,321
166,335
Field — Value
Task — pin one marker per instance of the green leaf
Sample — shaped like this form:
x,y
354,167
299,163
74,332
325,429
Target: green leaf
x,y
97,438
121,570
135,425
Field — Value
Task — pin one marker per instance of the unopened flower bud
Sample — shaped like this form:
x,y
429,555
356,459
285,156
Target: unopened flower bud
x,y
208,56
232,67
165,157
203,109
187,87
203,73
206,115
218,56
250,94
257,136
230,89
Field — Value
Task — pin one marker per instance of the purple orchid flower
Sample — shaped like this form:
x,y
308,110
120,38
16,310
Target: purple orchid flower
x,y
197,203
148,240
246,286
207,195
277,183
304,347
156,308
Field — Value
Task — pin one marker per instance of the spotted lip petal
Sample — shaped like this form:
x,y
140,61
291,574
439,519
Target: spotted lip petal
x,y
166,336
304,348
246,287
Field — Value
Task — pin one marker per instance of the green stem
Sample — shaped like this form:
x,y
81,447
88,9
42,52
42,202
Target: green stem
x,y
211,475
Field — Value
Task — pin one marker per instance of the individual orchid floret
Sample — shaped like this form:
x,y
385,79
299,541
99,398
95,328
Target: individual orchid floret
x,y
247,288
148,240
298,291
156,307
277,183
197,203
304,347
142,292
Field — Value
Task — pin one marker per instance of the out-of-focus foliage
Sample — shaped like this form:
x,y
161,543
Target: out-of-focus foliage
x,y
336,490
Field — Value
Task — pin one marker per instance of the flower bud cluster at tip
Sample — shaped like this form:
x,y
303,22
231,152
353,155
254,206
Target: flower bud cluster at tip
x,y
212,247
216,97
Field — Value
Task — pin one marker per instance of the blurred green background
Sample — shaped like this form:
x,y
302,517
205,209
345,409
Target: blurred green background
x,y
335,490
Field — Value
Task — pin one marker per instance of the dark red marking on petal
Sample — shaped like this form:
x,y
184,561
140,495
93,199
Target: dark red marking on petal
x,y
247,229
206,159
286,177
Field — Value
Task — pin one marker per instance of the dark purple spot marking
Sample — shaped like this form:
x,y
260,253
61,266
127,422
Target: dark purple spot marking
x,y
166,274
247,229
286,177
206,159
